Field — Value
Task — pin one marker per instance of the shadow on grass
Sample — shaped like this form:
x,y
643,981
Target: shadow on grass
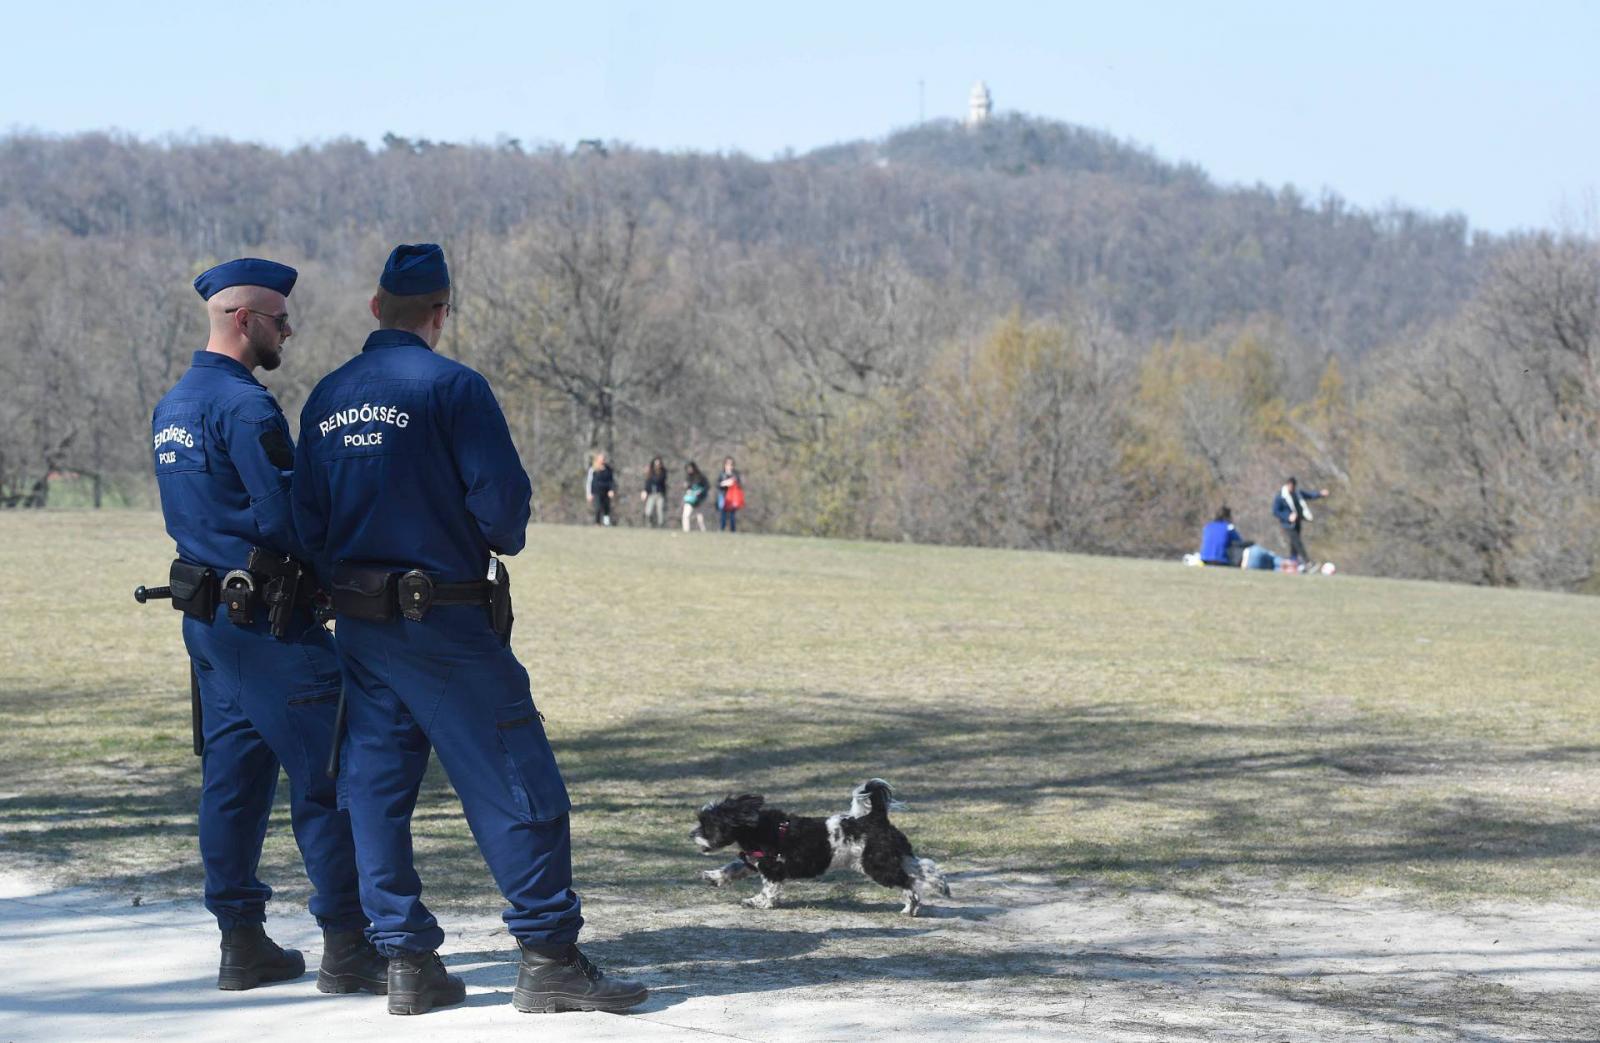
x,y
1000,786
55,827
1244,793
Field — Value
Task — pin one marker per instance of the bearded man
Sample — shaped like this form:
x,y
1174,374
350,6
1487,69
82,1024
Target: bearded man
x,y
267,672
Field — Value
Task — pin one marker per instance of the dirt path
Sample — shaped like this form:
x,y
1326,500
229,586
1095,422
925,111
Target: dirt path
x,y
1010,957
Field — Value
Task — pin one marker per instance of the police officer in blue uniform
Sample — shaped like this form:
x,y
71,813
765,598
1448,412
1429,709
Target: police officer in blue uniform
x,y
407,488
268,679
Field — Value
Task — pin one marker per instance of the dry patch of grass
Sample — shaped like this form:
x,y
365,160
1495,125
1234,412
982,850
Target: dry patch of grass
x,y
1134,723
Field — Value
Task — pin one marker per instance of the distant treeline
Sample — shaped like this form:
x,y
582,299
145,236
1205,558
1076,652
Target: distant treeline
x,y
1026,334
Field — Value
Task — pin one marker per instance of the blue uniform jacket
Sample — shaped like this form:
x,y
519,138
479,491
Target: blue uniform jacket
x,y
419,452
224,459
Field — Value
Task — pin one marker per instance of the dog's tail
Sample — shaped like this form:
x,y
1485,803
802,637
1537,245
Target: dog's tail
x,y
873,797
926,872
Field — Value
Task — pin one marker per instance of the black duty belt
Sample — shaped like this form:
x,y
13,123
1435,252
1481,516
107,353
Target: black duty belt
x,y
379,594
272,582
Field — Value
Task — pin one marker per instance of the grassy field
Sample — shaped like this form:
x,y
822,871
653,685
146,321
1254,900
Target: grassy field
x,y
1135,724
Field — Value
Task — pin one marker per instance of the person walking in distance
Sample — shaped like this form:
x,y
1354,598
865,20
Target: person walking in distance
x,y
600,485
408,491
1290,508
268,683
730,497
696,488
655,494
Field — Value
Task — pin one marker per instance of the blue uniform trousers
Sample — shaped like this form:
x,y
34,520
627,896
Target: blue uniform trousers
x,y
447,683
268,703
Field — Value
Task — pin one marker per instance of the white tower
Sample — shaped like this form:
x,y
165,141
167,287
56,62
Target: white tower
x,y
979,104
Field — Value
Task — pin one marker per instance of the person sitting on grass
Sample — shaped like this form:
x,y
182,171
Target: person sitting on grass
x,y
1220,542
1256,556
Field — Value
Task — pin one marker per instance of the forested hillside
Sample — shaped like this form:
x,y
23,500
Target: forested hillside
x,y
1023,334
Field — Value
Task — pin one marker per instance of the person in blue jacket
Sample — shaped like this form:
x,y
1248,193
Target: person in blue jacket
x,y
223,459
1289,506
407,489
1219,539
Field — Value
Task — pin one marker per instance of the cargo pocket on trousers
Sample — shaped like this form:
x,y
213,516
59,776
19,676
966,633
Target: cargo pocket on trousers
x,y
311,717
536,784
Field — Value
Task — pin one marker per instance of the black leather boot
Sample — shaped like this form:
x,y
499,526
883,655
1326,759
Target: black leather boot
x,y
418,983
250,958
559,977
351,964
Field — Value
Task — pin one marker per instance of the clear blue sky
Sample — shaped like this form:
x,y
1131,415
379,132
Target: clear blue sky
x,y
1489,109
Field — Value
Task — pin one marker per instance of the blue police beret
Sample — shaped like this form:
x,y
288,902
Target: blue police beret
x,y
246,271
415,269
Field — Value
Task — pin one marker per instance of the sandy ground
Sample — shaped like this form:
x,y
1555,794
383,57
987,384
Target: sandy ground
x,y
1009,957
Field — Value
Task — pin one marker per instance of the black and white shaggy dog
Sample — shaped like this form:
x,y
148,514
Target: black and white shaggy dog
x,y
780,846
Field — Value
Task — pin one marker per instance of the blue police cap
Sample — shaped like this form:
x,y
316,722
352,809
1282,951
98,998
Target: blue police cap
x,y
415,269
246,271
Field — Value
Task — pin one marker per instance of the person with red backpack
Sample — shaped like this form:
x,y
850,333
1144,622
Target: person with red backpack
x,y
730,497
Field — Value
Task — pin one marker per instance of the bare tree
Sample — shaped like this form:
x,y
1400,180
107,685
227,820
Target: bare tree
x,y
1494,477
581,303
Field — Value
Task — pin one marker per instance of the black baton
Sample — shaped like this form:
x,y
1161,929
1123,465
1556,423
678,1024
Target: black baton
x,y
338,737
143,595
194,710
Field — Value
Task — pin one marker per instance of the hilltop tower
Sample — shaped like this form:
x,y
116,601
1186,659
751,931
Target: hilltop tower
x,y
979,105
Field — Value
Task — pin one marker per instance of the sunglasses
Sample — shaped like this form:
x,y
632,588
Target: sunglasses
x,y
282,321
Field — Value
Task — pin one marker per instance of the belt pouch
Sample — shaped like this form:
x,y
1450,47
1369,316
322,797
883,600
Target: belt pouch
x,y
415,591
194,590
364,592
239,594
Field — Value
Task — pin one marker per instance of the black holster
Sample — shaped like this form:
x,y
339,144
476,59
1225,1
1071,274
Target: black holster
x,y
500,615
278,577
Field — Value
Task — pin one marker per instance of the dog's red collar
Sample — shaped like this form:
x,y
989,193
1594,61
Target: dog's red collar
x,y
750,858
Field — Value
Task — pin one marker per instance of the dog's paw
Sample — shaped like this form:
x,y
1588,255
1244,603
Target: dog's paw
x,y
714,877
760,901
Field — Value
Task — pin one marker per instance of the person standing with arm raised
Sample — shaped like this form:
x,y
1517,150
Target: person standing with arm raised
x,y
408,490
1289,507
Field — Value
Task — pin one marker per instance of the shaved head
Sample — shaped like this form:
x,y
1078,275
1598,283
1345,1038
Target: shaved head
x,y
244,325
256,298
